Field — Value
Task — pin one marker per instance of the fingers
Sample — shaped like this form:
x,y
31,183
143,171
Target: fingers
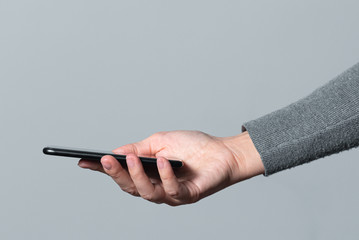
x,y
147,190
93,165
147,147
136,182
169,180
114,169
141,148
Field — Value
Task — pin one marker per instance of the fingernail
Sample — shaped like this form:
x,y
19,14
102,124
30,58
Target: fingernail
x,y
107,165
130,162
160,163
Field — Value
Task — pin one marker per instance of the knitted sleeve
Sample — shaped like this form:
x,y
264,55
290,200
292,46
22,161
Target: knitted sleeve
x,y
323,123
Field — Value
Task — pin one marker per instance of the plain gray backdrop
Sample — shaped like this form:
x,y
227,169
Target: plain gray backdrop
x,y
100,74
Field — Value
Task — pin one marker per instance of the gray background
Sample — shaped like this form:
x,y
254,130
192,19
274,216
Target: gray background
x,y
100,74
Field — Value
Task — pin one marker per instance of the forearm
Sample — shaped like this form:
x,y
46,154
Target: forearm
x,y
323,123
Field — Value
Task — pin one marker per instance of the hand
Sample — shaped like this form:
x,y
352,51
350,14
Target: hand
x,y
210,164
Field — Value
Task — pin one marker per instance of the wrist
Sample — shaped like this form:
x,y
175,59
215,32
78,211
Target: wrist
x,y
246,156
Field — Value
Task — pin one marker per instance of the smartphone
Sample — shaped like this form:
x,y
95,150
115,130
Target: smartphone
x,y
96,155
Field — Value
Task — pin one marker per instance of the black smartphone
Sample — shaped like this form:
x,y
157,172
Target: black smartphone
x,y
96,155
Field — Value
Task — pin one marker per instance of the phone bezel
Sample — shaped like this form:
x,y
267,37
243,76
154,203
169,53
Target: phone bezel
x,y
96,155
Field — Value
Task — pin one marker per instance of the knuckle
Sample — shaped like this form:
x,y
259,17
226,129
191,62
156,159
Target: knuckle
x,y
116,174
158,202
131,148
174,204
136,175
158,134
153,197
131,190
194,198
166,178
173,193
149,197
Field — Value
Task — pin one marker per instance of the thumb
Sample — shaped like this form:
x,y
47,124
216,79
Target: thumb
x,y
138,148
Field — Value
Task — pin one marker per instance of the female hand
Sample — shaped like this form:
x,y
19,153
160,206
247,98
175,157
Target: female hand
x,y
210,164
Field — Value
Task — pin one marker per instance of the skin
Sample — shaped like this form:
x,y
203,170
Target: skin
x,y
210,164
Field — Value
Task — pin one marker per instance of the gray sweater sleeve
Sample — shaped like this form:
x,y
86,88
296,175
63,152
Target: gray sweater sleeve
x,y
323,123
